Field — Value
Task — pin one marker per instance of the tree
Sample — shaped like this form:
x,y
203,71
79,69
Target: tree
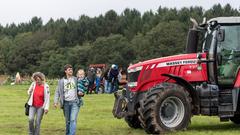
x,y
35,24
113,49
131,23
109,38
79,55
26,53
148,20
163,40
6,46
111,20
52,64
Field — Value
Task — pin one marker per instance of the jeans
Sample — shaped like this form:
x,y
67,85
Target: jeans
x,y
38,112
98,83
70,110
97,89
114,86
107,86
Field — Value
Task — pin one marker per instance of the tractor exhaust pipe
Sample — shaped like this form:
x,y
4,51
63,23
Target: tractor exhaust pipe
x,y
192,38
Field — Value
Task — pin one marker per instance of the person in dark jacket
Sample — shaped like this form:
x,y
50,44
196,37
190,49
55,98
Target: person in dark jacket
x,y
113,78
91,76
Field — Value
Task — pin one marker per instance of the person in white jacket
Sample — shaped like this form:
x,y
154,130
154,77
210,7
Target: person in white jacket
x,y
39,102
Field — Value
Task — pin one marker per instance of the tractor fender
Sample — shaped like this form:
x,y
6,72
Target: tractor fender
x,y
189,88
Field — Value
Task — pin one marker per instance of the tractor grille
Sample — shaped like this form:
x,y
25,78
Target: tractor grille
x,y
133,76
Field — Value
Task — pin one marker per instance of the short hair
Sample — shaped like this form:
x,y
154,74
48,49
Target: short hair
x,y
80,71
67,66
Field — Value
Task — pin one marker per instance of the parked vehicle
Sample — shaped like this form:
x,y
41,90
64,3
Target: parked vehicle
x,y
164,93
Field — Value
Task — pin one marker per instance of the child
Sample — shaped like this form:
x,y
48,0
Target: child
x,y
82,83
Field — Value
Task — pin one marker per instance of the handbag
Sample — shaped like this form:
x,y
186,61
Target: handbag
x,y
27,106
27,109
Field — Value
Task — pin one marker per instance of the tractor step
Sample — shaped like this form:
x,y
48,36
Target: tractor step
x,y
225,108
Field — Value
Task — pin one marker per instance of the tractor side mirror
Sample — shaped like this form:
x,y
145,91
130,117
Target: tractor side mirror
x,y
221,35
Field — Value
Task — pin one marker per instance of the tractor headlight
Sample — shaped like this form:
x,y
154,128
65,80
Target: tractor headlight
x,y
132,84
135,69
133,74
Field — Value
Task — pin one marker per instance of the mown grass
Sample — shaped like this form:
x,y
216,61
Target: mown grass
x,y
95,117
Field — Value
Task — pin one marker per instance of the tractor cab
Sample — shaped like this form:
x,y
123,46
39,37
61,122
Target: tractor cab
x,y
222,44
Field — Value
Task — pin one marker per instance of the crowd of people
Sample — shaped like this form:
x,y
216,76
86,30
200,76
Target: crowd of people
x,y
105,80
69,93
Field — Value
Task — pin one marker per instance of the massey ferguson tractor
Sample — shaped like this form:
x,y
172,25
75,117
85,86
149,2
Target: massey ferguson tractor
x,y
164,93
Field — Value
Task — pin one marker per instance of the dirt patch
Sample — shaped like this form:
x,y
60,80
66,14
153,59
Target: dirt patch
x,y
3,79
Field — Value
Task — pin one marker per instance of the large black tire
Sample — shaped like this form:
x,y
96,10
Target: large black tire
x,y
166,107
236,119
133,121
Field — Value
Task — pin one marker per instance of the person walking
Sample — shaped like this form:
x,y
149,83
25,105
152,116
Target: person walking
x,y
66,93
38,101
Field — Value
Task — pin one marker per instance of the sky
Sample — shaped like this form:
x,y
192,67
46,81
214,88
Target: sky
x,y
18,11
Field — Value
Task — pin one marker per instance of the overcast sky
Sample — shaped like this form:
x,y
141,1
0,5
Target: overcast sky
x,y
18,11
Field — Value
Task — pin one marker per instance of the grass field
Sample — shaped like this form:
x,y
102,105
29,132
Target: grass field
x,y
95,117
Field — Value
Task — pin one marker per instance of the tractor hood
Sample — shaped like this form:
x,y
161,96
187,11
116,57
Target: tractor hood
x,y
167,61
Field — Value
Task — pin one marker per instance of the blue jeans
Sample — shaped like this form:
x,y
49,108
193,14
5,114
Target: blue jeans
x,y
38,113
70,110
114,86
98,83
107,86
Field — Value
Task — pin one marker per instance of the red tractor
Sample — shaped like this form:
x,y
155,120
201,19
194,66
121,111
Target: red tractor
x,y
164,93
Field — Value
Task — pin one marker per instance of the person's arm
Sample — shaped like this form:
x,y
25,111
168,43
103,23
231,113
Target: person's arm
x,y
30,89
80,88
57,95
47,99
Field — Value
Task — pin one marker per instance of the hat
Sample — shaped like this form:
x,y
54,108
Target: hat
x,y
114,66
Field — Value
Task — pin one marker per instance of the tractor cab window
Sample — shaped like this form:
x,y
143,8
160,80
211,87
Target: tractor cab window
x,y
228,55
208,41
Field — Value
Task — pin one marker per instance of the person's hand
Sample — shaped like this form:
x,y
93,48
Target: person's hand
x,y
55,105
80,93
29,92
45,111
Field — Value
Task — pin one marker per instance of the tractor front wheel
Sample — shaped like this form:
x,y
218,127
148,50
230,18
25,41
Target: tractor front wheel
x,y
166,107
133,121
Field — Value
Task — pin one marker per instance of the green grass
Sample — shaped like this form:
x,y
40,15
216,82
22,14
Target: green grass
x,y
95,117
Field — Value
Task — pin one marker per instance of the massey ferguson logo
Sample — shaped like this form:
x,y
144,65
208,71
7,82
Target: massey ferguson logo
x,y
178,62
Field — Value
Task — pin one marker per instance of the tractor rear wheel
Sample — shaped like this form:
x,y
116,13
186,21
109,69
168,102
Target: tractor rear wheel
x,y
235,119
166,107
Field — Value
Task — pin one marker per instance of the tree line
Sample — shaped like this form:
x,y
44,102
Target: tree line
x,y
121,39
